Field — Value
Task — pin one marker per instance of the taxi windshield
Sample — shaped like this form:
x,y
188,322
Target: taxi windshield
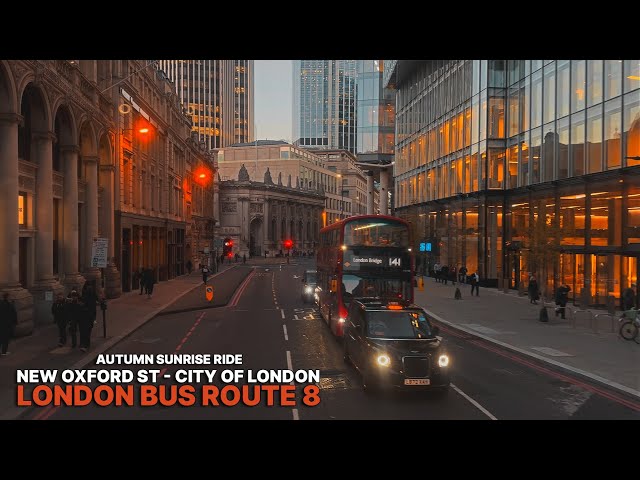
x,y
399,324
310,277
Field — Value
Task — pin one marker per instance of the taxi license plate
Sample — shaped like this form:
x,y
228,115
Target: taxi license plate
x,y
417,381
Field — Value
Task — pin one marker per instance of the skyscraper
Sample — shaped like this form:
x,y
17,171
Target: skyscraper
x,y
324,104
218,95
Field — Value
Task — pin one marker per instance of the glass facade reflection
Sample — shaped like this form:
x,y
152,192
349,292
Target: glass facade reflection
x,y
529,166
324,104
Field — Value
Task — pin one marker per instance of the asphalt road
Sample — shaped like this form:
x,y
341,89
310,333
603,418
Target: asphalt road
x,y
268,323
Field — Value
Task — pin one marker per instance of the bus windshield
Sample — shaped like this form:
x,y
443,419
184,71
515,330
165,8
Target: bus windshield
x,y
354,286
376,233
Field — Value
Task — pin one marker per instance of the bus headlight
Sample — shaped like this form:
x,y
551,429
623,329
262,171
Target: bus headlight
x,y
341,320
383,360
443,361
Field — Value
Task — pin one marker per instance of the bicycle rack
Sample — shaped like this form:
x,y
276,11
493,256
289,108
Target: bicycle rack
x,y
598,315
574,316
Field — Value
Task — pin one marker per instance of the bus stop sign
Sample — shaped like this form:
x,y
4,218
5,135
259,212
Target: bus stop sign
x,y
209,292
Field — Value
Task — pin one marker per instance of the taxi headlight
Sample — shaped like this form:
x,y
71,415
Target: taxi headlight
x,y
308,289
341,320
383,360
443,361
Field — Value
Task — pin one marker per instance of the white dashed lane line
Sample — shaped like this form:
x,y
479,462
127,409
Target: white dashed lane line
x,y
474,403
286,335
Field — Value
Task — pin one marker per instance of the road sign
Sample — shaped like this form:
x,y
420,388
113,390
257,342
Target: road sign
x,y
99,250
209,292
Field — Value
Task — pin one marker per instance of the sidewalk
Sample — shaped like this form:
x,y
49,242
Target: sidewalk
x,y
512,322
124,315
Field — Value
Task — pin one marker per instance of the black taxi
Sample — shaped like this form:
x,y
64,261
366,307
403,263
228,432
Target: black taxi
x,y
395,344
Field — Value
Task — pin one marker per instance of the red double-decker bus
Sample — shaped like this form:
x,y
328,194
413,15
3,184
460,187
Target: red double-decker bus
x,y
362,256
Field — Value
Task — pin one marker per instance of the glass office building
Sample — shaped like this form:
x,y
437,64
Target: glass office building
x,y
324,104
524,166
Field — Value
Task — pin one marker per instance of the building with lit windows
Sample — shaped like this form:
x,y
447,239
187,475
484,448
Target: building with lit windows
x,y
375,115
218,96
88,149
524,166
324,104
287,165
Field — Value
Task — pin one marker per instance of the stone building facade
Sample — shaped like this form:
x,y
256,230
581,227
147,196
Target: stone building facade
x,y
260,216
75,165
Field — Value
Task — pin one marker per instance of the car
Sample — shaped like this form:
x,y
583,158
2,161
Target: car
x,y
395,344
309,283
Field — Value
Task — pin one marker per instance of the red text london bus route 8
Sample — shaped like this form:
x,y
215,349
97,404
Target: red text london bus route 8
x,y
362,256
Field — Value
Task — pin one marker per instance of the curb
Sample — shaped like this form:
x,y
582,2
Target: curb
x,y
591,376
16,413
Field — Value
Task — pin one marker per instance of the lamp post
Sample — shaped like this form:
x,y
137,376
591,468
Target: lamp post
x,y
464,232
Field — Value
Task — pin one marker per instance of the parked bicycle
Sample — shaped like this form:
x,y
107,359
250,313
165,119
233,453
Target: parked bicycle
x,y
630,325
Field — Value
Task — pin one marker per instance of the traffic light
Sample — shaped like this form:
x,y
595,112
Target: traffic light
x,y
288,244
227,247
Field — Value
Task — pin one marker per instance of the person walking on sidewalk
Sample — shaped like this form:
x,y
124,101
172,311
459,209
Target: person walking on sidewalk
x,y
533,290
475,284
444,274
8,322
629,298
151,281
189,266
463,274
436,271
74,312
59,312
141,279
562,297
205,274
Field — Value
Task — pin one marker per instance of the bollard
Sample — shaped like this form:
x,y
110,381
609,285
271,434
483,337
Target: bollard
x,y
103,307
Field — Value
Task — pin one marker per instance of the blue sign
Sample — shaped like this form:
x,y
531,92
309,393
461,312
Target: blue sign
x,y
425,246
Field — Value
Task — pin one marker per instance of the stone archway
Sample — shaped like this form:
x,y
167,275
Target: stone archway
x,y
256,237
9,202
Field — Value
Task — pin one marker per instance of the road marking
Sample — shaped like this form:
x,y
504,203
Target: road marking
x,y
564,366
282,312
482,329
289,364
474,403
552,352
286,336
296,317
296,416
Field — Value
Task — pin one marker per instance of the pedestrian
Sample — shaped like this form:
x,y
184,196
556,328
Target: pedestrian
x,y
59,312
74,312
436,271
151,281
444,274
475,284
205,274
463,274
8,322
453,274
141,277
90,301
562,297
534,293
189,266
244,258
629,298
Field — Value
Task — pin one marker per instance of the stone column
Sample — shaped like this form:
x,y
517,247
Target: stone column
x,y
72,278
384,192
370,193
91,228
9,232
139,247
45,284
266,238
113,287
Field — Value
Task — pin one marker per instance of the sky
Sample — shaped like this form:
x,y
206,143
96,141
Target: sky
x,y
273,98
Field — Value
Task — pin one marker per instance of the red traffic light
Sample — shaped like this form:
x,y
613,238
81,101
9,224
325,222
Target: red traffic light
x,y
288,244
228,243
